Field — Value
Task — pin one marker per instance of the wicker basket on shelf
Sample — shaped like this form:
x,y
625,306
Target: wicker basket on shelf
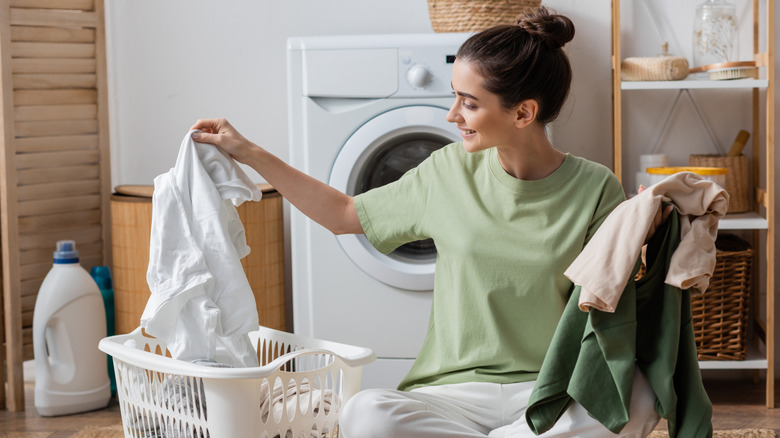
x,y
476,15
737,184
720,314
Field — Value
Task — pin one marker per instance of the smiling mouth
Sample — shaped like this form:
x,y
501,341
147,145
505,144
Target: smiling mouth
x,y
468,131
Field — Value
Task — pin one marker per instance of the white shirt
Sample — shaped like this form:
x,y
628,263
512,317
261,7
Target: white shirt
x,y
201,303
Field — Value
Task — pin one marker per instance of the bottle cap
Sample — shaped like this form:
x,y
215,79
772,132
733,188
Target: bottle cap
x,y
66,252
102,276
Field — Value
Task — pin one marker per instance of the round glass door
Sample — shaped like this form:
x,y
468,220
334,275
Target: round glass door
x,y
388,163
378,153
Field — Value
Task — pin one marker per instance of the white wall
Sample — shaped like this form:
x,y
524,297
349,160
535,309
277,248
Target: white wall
x,y
173,61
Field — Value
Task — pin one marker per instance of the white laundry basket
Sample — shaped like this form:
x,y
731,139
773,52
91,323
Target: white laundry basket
x,y
298,391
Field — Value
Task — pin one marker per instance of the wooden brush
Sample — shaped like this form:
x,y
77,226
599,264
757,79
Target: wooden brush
x,y
739,143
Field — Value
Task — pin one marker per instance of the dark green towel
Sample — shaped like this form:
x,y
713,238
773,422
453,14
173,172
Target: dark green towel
x,y
593,355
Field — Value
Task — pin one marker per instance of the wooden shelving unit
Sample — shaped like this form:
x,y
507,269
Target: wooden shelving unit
x,y
762,219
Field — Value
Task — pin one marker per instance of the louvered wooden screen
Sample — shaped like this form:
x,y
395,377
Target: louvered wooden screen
x,y
54,166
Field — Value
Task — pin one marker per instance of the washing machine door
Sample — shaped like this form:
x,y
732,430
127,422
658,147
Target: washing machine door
x,y
379,152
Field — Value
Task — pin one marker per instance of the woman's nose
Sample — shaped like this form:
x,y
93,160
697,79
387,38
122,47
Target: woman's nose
x,y
453,114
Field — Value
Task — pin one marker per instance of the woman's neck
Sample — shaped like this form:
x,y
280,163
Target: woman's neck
x,y
532,157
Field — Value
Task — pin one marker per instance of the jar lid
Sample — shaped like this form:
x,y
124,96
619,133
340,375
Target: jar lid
x,y
704,171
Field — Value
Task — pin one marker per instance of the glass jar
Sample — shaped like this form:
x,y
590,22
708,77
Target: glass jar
x,y
715,36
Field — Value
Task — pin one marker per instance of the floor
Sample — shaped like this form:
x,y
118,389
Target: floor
x,y
36,426
737,405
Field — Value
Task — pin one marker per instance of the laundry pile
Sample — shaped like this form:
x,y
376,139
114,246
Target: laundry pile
x,y
605,264
178,392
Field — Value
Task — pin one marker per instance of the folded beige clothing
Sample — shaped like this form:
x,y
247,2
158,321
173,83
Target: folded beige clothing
x,y
296,397
605,264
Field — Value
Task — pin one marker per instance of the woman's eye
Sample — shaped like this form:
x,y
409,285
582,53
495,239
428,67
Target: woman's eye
x,y
468,105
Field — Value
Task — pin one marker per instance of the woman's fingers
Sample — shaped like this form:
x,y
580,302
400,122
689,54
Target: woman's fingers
x,y
667,212
213,126
204,137
214,131
204,125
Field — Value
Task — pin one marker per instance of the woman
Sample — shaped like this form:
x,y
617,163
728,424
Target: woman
x,y
508,213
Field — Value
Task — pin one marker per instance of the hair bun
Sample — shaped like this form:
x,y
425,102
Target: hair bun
x,y
555,30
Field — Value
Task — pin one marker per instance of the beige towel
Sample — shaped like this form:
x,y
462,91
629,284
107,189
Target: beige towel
x,y
296,397
605,264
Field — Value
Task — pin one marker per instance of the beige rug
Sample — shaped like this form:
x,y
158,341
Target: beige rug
x,y
100,432
740,433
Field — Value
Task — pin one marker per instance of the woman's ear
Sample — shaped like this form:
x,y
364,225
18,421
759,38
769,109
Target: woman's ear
x,y
526,113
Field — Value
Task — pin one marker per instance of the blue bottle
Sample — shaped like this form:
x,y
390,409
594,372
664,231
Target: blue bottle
x,y
102,276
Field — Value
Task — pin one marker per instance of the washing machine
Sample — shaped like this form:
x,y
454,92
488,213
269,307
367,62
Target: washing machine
x,y
363,110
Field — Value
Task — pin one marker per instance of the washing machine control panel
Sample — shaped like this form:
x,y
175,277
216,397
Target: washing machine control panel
x,y
425,71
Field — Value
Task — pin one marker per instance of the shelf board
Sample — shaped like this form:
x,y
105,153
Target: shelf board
x,y
692,82
743,221
754,361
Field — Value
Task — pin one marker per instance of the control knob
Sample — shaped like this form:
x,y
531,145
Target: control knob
x,y
419,76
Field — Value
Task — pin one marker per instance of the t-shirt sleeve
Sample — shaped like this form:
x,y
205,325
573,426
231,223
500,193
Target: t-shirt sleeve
x,y
612,195
393,214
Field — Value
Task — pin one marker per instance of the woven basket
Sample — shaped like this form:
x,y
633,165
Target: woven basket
x,y
720,314
476,15
659,68
131,225
736,180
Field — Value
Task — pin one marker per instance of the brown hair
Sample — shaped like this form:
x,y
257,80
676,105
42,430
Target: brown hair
x,y
525,61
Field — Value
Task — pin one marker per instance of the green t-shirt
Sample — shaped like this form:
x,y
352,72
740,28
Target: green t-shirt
x,y
502,247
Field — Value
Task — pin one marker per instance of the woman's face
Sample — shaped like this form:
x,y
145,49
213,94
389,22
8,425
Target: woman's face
x,y
478,114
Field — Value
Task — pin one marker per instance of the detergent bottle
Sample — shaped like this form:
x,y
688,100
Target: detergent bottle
x,y
68,322
102,276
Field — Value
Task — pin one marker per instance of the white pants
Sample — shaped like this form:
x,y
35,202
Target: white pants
x,y
469,410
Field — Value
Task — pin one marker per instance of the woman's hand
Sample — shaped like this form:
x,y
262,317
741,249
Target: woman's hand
x,y
221,133
660,217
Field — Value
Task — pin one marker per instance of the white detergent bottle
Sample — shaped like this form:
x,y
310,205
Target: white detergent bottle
x,y
68,323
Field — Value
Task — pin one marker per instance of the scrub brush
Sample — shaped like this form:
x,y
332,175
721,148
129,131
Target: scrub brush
x,y
728,70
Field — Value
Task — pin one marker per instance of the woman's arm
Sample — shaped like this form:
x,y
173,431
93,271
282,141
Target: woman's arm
x,y
325,205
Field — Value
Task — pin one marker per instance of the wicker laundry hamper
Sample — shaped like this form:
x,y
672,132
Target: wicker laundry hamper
x,y
476,15
720,315
131,222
